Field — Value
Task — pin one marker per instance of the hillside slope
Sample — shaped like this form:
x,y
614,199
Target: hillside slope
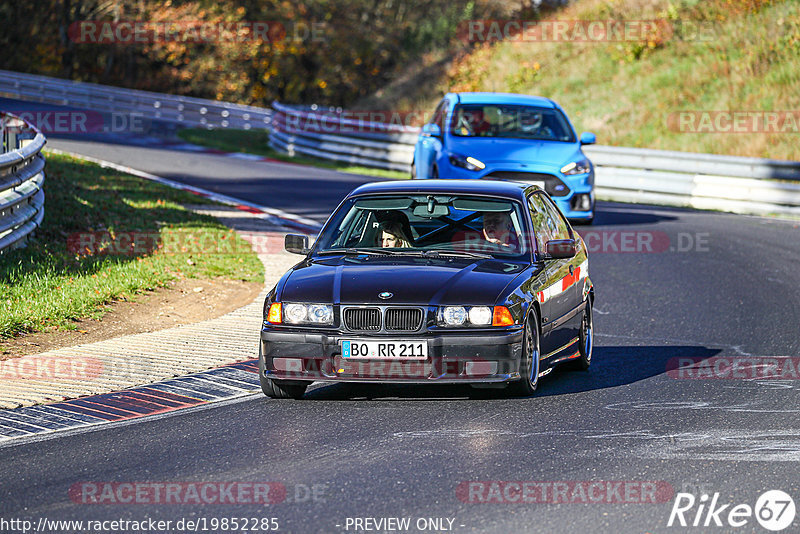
x,y
718,76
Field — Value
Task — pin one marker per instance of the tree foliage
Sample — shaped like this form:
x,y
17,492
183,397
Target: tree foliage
x,y
328,51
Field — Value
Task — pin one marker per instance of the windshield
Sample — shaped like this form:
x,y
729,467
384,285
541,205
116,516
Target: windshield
x,y
506,120
420,223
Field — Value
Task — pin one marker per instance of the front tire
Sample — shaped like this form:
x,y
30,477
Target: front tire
x,y
278,389
529,363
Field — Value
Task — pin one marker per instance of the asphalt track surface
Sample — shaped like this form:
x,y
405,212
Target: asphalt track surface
x,y
718,286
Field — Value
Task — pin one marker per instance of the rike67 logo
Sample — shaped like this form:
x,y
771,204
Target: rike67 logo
x,y
774,510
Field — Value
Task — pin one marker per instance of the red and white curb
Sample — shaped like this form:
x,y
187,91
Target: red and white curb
x,y
215,385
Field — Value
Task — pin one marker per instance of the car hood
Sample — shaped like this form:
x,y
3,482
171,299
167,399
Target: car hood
x,y
413,280
493,151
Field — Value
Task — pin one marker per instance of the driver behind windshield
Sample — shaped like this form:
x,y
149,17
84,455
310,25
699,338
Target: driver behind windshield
x,y
499,230
496,234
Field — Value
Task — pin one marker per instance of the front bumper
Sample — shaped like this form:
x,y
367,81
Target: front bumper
x,y
468,357
580,185
568,204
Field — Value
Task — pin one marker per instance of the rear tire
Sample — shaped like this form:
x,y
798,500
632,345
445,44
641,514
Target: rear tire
x,y
529,361
585,341
434,172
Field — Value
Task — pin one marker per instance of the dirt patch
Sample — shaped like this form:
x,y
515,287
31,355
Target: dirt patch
x,y
183,302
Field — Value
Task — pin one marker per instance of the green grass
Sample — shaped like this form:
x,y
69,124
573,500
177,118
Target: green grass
x,y
257,142
51,282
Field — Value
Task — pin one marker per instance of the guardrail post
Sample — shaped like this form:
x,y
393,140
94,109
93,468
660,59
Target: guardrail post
x,y
7,136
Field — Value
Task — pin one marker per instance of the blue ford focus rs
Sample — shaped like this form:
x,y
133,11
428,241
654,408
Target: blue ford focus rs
x,y
511,137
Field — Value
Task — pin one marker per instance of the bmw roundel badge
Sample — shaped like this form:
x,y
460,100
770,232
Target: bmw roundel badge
x,y
385,295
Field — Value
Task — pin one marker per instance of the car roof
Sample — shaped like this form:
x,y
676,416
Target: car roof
x,y
504,98
512,190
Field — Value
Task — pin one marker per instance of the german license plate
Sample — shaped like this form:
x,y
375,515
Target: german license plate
x,y
377,350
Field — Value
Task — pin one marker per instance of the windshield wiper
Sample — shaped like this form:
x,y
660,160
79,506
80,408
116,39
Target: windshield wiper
x,y
358,251
394,252
458,253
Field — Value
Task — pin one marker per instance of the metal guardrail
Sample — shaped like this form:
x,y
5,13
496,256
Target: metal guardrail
x,y
182,110
743,185
21,181
703,181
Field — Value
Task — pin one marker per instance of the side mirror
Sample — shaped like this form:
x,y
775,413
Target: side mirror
x,y
561,248
588,138
296,244
431,130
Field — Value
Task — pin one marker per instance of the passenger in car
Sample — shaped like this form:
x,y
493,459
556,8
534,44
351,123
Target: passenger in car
x,y
392,235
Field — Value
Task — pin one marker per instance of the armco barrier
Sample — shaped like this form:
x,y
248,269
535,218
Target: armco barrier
x,y
181,110
703,181
21,180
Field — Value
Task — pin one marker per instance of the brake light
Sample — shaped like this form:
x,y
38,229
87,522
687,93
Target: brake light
x,y
502,317
274,314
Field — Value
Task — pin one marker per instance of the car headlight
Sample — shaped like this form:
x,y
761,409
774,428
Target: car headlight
x,y
475,316
454,315
320,313
480,315
295,313
466,162
298,313
577,167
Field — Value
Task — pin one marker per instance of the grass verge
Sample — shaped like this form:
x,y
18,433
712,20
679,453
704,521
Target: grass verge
x,y
257,142
84,255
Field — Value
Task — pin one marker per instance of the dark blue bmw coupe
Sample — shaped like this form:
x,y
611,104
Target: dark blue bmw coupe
x,y
436,281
